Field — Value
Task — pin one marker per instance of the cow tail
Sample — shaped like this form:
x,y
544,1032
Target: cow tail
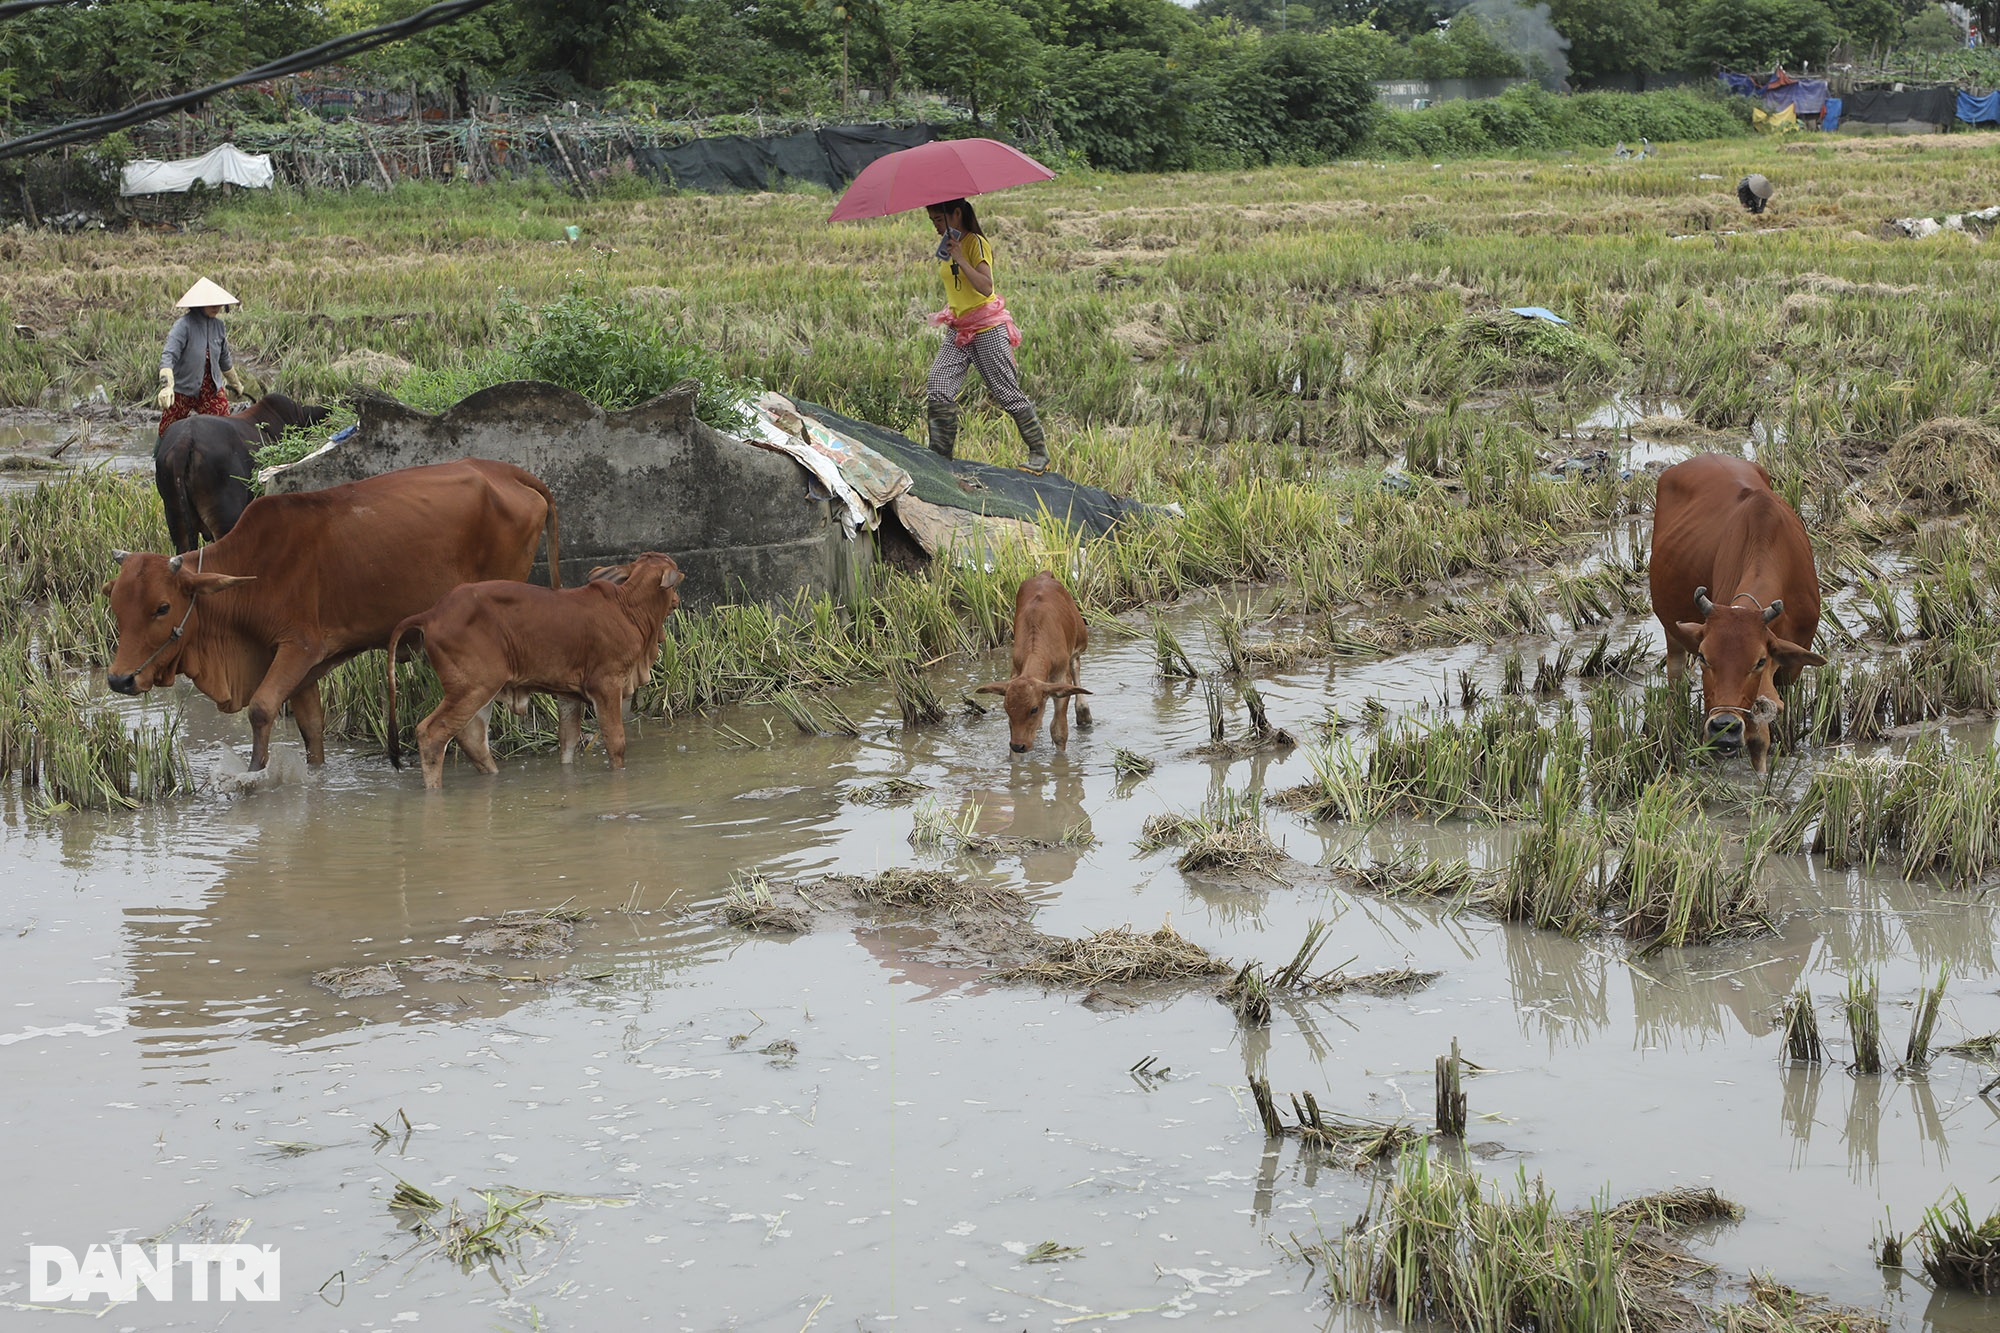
x,y
191,514
552,527
395,736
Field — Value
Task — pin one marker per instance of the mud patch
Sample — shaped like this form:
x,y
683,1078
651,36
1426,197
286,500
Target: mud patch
x,y
547,934
353,982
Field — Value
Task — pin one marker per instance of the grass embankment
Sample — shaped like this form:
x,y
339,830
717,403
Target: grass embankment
x,y
1251,345
57,741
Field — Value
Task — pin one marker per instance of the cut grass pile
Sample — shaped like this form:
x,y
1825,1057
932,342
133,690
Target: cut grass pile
x,y
1355,1143
1118,956
889,791
495,1232
1957,1251
1226,839
750,904
1438,1246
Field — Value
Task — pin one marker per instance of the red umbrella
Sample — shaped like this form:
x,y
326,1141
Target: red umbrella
x,y
934,172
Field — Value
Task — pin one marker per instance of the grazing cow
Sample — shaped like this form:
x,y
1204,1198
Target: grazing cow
x,y
1049,639
202,465
1733,556
306,581
510,640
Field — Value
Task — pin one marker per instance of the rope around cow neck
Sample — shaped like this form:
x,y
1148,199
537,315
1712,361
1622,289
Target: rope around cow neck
x,y
174,637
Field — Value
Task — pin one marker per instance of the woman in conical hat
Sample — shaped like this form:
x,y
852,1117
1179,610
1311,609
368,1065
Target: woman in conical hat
x,y
196,358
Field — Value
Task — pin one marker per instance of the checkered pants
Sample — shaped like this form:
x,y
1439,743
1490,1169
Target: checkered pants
x,y
994,357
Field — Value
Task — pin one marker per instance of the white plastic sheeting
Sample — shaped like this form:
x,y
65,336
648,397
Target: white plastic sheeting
x,y
218,166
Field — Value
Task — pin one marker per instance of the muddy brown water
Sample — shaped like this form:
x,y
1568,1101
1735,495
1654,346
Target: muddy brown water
x,y
34,437
162,1036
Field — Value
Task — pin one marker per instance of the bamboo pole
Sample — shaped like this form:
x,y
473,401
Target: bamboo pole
x,y
562,152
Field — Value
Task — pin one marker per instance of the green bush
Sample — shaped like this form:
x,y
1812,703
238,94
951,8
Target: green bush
x,y
611,352
1530,118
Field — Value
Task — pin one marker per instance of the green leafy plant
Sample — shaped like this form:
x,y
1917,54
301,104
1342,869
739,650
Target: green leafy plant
x,y
614,355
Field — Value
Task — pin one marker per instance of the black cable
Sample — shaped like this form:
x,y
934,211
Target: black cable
x,y
326,53
13,7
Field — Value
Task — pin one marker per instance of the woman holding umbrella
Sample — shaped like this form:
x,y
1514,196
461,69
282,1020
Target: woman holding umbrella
x,y
978,333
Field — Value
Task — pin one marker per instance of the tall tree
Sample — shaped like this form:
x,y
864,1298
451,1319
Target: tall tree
x,y
1757,34
983,51
1609,37
574,36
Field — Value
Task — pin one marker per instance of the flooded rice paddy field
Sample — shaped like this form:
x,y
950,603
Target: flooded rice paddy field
x,y
854,1128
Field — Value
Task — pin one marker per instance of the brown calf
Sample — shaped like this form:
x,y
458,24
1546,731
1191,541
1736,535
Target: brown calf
x,y
486,640
1049,639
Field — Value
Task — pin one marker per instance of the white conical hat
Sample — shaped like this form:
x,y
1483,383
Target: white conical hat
x,y
205,293
1758,186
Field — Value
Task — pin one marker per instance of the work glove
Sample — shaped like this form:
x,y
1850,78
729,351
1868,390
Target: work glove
x,y
166,398
234,381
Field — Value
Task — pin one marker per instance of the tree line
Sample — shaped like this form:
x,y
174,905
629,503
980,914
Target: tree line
x,y
1124,84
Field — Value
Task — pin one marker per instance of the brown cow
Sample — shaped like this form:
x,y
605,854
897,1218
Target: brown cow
x,y
1049,639
1729,552
487,640
304,582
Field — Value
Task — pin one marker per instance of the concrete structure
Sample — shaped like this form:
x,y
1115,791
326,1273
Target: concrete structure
x,y
739,519
1416,94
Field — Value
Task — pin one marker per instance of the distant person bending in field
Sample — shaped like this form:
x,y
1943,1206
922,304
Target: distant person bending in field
x,y
196,357
978,331
1753,192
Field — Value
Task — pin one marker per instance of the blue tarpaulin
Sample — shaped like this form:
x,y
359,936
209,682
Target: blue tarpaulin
x,y
1831,120
1740,84
1976,110
1805,96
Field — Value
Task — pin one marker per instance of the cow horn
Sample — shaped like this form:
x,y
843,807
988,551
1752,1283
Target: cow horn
x,y
1701,602
174,564
1774,610
118,557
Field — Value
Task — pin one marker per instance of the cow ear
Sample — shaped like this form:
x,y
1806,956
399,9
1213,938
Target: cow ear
x,y
1789,654
109,584
671,579
1065,691
201,585
1692,629
998,687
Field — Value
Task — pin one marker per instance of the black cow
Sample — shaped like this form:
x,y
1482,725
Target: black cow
x,y
203,465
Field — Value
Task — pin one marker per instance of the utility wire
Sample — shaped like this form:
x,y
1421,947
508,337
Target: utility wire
x,y
326,53
13,7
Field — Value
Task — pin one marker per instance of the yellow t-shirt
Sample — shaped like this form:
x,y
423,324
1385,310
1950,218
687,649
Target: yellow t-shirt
x,y
959,292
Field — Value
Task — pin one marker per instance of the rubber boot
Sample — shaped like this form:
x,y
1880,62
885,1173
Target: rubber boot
x,y
943,431
1031,435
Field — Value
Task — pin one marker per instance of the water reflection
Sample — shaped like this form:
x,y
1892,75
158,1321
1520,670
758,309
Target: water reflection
x,y
1861,1135
336,879
1560,986
1799,1107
